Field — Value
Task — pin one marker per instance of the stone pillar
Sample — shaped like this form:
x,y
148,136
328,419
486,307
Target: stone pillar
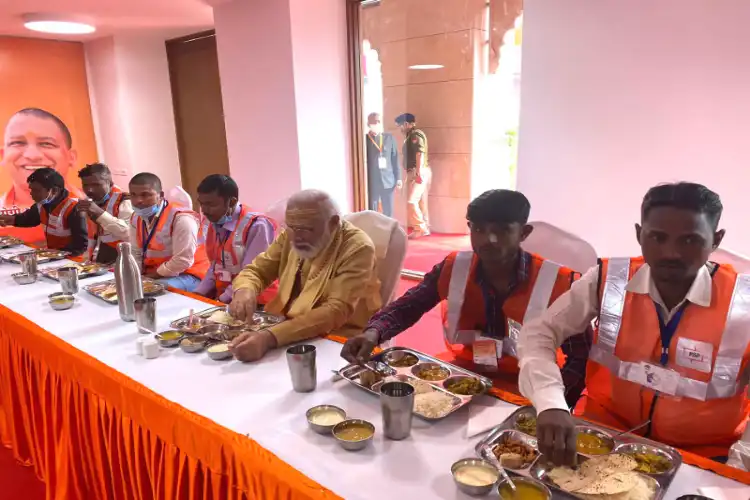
x,y
455,34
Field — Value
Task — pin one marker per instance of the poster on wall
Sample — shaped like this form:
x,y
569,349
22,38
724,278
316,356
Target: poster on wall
x,y
45,120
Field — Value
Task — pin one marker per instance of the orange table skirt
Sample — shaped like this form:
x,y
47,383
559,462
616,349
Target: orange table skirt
x,y
91,432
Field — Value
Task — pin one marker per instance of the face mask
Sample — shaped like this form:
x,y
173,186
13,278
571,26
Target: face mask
x,y
104,200
145,213
225,218
49,199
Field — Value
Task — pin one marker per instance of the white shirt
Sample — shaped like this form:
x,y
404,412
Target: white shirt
x,y
184,245
539,379
117,226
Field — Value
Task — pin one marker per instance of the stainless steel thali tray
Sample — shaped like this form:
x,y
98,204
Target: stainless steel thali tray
x,y
353,372
107,291
539,467
261,320
42,256
9,242
84,271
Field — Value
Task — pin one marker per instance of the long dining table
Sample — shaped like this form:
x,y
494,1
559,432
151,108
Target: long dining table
x,y
98,421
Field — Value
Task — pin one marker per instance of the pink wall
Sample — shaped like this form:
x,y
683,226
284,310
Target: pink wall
x,y
618,96
131,102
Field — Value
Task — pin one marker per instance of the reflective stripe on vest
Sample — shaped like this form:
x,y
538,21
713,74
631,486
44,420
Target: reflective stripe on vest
x,y
538,301
734,340
59,228
238,243
164,237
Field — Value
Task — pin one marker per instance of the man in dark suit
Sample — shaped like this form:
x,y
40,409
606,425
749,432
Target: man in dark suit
x,y
383,172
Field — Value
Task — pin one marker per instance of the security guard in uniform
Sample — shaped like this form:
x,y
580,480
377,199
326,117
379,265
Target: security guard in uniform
x,y
418,175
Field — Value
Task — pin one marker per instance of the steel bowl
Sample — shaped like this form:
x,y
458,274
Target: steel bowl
x,y
523,480
61,301
418,368
218,356
194,328
319,428
220,332
475,491
633,448
24,278
169,342
353,445
608,440
193,343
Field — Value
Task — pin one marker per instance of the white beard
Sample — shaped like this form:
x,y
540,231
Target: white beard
x,y
314,251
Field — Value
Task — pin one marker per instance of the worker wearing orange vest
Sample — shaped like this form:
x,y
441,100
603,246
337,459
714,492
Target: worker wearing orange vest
x,y
487,295
56,211
165,236
234,235
108,210
672,347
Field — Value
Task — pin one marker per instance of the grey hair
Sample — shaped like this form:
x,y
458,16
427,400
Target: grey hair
x,y
323,200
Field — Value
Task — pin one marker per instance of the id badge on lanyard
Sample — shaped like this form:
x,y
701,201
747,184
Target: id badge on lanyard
x,y
220,269
488,349
658,377
382,162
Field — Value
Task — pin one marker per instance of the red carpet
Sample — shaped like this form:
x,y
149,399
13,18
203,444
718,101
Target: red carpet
x,y
16,481
423,253
20,483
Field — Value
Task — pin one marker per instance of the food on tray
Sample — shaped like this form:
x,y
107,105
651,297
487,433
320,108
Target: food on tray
x,y
651,463
467,386
170,335
526,423
607,477
476,475
62,300
420,386
368,378
591,444
434,404
433,373
402,359
151,286
218,348
224,318
355,432
192,341
524,491
8,241
46,253
327,417
514,454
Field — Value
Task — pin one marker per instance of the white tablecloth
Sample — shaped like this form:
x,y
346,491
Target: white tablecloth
x,y
257,400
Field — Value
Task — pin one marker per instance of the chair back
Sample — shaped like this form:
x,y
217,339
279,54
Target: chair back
x,y
740,263
560,246
390,247
179,196
277,211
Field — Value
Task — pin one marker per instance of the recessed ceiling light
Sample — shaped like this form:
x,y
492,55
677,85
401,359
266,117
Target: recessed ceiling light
x,y
427,66
57,24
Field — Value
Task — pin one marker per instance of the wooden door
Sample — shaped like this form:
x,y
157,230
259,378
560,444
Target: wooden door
x,y
198,108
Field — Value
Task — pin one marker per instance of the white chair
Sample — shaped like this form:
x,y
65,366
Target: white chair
x,y
179,196
277,211
560,246
740,263
390,247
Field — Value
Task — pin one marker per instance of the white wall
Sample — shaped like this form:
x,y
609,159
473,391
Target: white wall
x,y
620,95
321,90
284,86
131,101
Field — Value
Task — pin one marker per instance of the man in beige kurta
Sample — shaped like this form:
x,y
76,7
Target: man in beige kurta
x,y
327,279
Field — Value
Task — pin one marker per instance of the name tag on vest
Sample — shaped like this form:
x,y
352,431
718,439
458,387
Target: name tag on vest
x,y
655,377
694,354
486,353
223,275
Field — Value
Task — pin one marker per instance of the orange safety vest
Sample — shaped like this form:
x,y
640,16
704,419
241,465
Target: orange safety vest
x,y
159,249
55,223
463,305
96,235
227,259
710,408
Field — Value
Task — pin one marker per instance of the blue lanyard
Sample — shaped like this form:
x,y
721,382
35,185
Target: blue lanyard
x,y
146,238
667,330
221,244
489,310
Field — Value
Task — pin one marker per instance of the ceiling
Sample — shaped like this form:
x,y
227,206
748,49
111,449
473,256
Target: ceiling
x,y
170,18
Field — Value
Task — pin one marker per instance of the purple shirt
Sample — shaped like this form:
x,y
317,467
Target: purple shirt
x,y
259,237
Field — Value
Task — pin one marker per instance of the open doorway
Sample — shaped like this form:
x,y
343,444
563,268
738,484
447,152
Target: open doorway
x,y
456,74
